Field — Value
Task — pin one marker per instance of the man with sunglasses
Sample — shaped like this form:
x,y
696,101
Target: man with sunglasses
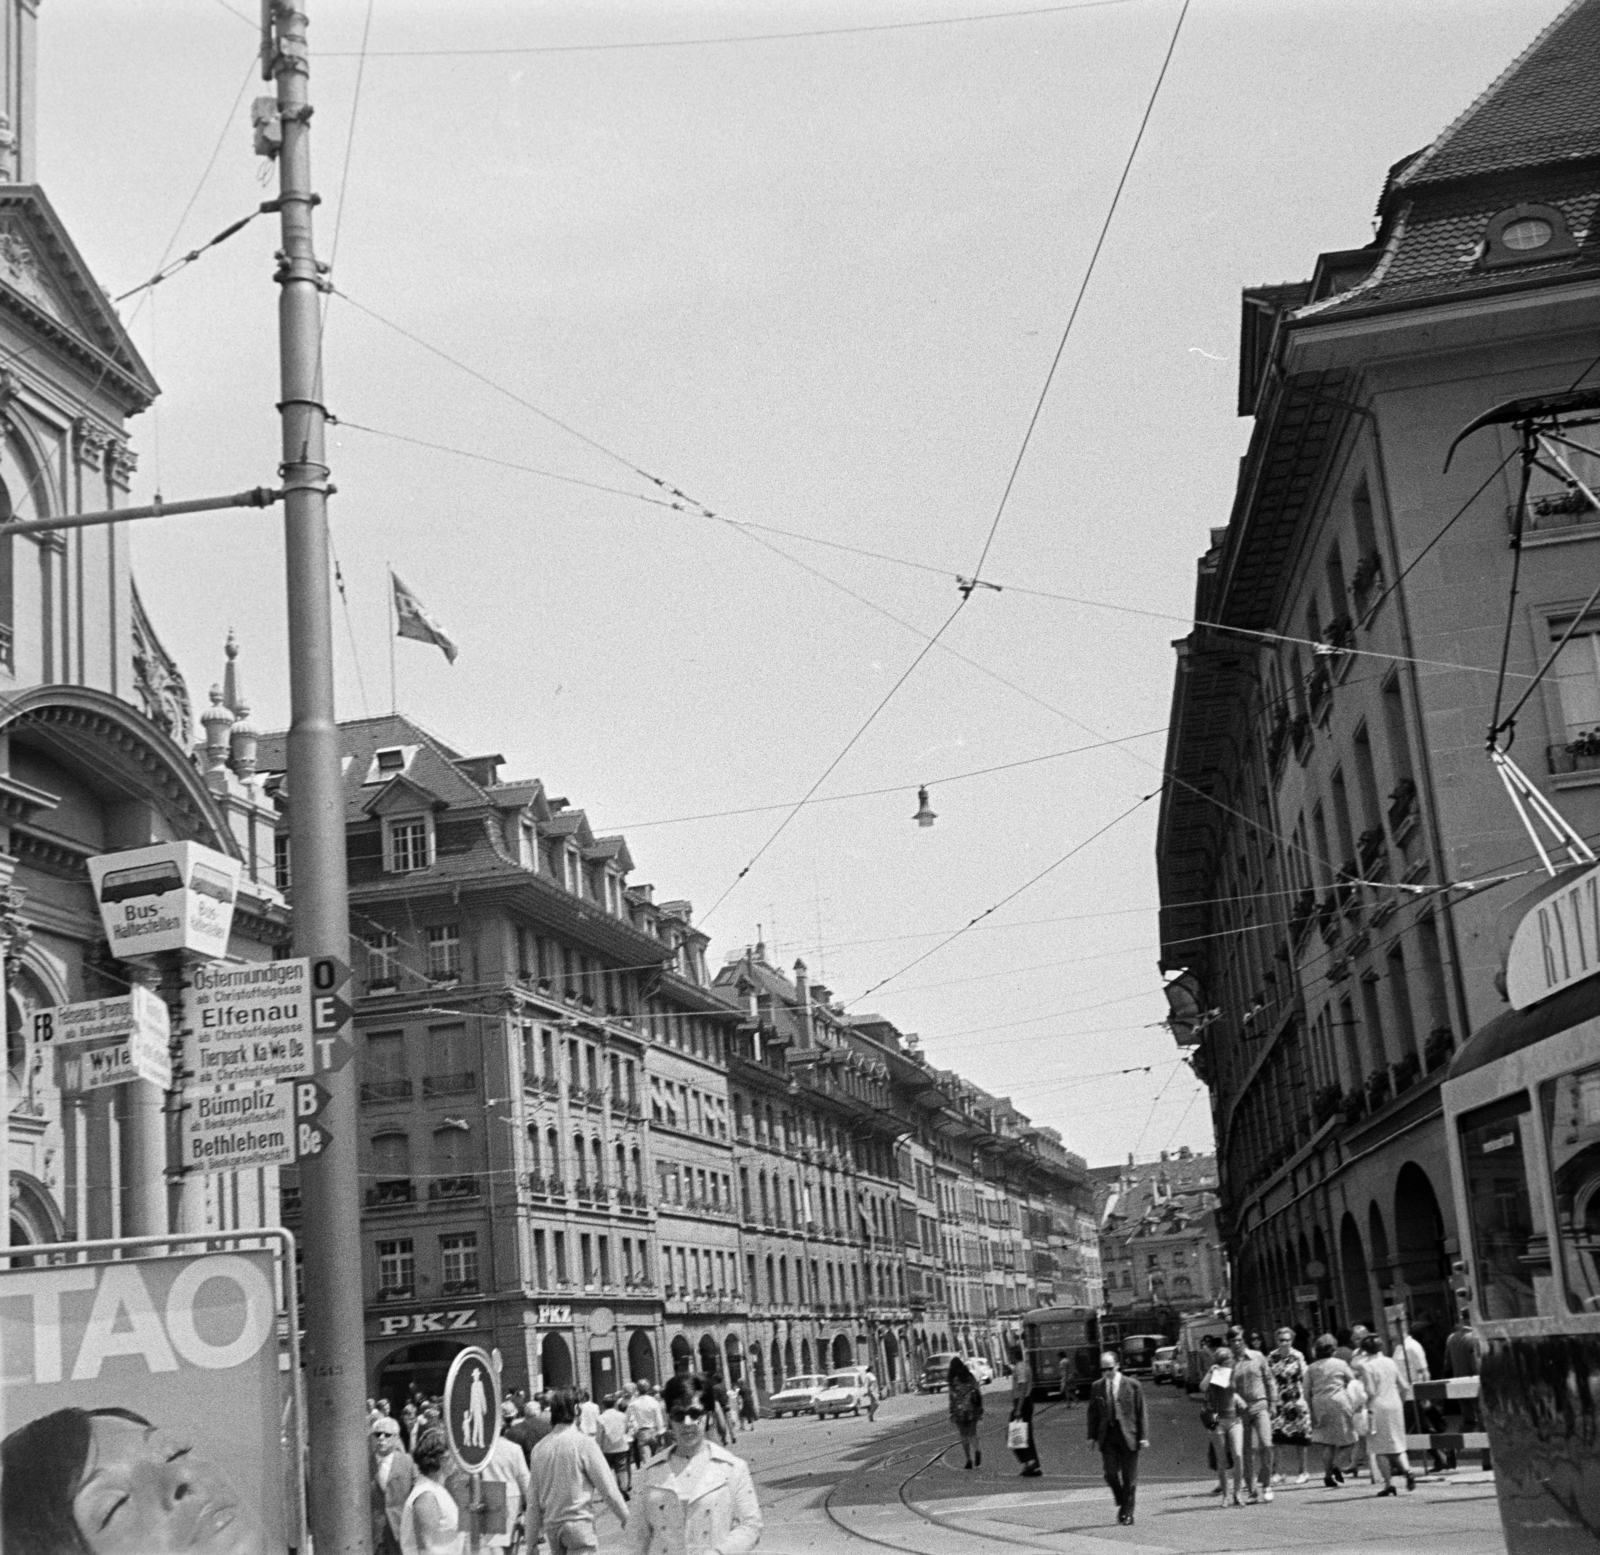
x,y
393,1475
1117,1426
565,1473
697,1499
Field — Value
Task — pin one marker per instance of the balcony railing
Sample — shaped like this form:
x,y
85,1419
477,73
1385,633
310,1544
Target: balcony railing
x,y
545,1084
396,1292
454,1188
376,1091
394,1190
458,1084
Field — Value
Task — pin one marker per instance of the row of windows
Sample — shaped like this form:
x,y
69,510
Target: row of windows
x,y
694,1186
681,1106
595,1265
458,1265
584,1163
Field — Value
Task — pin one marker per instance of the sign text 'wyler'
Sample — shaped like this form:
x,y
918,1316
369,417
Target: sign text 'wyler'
x,y
1557,942
171,896
104,1042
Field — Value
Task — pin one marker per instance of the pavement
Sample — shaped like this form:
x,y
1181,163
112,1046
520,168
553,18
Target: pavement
x,y
849,1486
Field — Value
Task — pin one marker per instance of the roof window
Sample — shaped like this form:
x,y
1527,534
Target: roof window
x,y
389,761
1524,235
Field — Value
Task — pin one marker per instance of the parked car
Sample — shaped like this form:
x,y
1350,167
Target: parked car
x,y
844,1392
796,1396
1162,1363
936,1372
980,1369
1138,1351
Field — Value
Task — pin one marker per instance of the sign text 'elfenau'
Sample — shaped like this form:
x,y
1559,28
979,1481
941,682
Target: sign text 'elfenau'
x,y
103,1042
171,896
248,1023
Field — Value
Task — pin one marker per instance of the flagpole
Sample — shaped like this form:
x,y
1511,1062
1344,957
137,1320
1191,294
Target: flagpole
x,y
394,628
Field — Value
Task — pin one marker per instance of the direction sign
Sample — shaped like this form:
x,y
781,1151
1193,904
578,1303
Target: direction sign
x,y
105,1042
249,1125
248,1023
472,1409
309,1136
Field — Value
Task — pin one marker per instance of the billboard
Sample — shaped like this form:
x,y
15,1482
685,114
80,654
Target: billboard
x,y
171,896
141,1403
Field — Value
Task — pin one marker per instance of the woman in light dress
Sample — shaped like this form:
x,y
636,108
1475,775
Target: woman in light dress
x,y
1333,1424
1227,1411
1291,1420
1386,1426
429,1521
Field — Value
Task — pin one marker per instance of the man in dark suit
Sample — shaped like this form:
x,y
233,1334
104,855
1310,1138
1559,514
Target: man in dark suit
x,y
393,1475
1117,1427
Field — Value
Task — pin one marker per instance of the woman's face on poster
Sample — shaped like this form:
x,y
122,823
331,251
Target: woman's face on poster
x,y
146,1491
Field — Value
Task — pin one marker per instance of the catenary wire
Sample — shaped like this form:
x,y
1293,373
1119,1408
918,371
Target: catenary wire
x,y
737,38
1075,849
849,745
893,788
1083,288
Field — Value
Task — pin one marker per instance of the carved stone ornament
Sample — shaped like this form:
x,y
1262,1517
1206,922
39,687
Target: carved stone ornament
x,y
19,269
91,442
161,689
123,461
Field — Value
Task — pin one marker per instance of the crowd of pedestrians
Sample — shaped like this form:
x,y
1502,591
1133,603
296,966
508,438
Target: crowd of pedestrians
x,y
645,1452
1353,1402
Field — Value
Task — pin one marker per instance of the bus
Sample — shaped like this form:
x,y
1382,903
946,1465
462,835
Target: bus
x,y
1048,1334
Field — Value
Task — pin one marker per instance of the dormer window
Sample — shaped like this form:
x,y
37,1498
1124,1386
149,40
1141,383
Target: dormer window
x,y
407,843
1526,234
387,762
572,864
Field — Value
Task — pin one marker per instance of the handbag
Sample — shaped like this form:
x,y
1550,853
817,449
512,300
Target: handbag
x,y
1017,1435
1208,1418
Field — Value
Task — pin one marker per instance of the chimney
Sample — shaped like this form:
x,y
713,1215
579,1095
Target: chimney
x,y
803,995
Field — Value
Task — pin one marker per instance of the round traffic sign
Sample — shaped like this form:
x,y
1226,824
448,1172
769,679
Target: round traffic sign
x,y
472,1409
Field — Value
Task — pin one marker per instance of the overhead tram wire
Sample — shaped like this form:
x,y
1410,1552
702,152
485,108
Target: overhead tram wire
x,y
1011,896
893,788
849,745
1083,287
736,38
753,529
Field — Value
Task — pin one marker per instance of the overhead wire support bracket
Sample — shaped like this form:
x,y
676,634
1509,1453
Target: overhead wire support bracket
x,y
1538,420
256,497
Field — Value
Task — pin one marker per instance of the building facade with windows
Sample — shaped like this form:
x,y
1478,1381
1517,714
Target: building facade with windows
x,y
100,749
1159,1244
1336,854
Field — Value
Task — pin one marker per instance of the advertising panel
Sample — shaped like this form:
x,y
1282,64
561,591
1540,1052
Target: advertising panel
x,y
171,896
141,1403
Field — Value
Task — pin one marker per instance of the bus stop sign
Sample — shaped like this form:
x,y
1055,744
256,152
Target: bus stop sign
x,y
472,1409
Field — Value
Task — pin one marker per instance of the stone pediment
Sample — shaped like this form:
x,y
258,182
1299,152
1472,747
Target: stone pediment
x,y
47,289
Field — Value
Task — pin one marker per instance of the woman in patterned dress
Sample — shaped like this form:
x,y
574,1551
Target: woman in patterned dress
x,y
1291,1420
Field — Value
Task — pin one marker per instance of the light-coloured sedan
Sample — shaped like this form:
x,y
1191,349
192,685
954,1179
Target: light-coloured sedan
x,y
981,1370
845,1393
796,1396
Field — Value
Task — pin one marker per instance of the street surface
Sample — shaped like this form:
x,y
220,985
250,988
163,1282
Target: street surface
x,y
847,1487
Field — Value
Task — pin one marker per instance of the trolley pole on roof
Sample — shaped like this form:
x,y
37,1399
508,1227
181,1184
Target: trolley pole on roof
x,y
335,1369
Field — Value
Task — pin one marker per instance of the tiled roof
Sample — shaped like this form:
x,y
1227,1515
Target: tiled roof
x,y
1545,107
1433,250
432,768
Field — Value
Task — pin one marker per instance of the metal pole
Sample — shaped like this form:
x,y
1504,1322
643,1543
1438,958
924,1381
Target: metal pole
x,y
335,1350
256,497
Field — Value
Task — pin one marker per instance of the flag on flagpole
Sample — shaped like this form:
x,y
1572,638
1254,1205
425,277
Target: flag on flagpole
x,y
412,620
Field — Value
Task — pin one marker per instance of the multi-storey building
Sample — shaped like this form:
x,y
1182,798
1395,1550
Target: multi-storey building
x,y
508,983
577,1150
1333,837
1158,1233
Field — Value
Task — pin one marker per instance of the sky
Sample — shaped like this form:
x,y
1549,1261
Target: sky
x,y
594,253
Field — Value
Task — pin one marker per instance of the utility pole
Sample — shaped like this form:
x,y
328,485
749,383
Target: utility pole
x,y
335,1371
